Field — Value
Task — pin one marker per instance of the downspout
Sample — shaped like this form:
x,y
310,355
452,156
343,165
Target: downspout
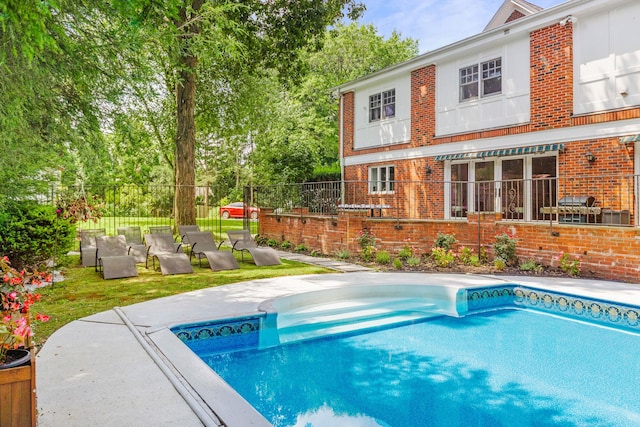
x,y
341,144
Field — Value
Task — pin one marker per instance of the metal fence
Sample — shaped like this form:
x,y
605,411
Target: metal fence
x,y
145,206
608,200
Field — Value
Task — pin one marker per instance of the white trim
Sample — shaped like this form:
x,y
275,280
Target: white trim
x,y
566,134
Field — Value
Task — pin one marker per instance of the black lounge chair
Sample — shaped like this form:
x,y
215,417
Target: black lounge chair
x,y
136,247
170,257
241,240
88,246
112,258
203,246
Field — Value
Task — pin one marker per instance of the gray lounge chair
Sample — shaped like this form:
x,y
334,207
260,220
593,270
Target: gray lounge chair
x,y
183,230
203,246
171,258
136,247
241,240
88,246
112,258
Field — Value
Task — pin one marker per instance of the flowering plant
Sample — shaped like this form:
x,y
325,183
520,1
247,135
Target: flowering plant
x,y
80,208
366,239
16,299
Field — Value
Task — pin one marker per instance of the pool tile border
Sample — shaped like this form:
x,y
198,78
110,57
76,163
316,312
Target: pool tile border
x,y
605,313
244,333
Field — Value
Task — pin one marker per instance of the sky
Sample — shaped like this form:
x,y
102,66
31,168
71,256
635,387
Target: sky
x,y
434,23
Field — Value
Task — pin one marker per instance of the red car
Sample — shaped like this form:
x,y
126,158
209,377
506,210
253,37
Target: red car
x,y
236,210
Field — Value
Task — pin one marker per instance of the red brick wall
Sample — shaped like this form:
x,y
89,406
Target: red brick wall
x,y
608,251
551,77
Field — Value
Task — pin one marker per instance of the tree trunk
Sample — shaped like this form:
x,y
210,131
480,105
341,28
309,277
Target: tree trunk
x,y
184,199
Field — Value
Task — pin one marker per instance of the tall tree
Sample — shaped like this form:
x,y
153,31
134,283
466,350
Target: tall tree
x,y
232,37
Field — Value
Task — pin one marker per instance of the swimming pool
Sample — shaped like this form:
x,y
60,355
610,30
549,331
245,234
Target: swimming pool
x,y
495,365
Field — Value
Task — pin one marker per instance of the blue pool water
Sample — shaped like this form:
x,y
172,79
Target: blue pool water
x,y
503,368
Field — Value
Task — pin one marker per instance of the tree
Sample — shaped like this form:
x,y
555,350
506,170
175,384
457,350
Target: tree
x,y
232,38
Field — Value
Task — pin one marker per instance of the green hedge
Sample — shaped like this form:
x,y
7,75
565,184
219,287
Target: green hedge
x,y
31,234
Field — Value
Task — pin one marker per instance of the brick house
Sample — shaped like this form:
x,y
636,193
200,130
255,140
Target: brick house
x,y
530,127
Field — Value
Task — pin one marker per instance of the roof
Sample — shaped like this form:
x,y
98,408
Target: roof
x,y
510,11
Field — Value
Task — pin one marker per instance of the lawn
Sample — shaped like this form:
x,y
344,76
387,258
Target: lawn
x,y
83,292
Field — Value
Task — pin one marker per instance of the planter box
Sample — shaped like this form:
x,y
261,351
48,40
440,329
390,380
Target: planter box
x,y
18,395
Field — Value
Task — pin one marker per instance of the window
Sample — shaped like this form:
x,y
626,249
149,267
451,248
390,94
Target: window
x,y
469,83
382,105
381,179
491,79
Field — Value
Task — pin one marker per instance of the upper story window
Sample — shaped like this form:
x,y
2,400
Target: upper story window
x,y
481,80
382,105
381,179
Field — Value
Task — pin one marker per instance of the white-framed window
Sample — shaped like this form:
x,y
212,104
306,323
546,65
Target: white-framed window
x,y
381,179
382,105
481,80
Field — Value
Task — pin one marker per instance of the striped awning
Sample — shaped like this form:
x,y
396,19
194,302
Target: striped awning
x,y
631,138
517,151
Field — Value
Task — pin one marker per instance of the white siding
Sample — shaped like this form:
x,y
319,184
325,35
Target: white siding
x,y
386,131
607,59
511,107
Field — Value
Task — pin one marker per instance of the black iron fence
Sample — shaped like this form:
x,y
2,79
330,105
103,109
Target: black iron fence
x,y
144,206
605,200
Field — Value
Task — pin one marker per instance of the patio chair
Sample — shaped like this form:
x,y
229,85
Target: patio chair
x,y
88,246
136,247
164,229
183,230
241,240
172,260
112,258
203,246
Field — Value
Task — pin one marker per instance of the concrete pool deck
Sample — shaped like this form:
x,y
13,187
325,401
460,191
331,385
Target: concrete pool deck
x,y
108,370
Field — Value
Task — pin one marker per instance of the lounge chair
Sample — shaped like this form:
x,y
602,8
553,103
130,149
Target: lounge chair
x,y
241,240
136,247
88,246
171,258
203,246
183,230
164,229
112,258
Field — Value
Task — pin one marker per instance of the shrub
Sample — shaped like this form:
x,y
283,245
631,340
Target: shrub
x,y
568,264
499,264
406,252
467,257
414,261
365,239
368,253
32,234
443,257
531,265
315,253
397,263
261,240
445,241
272,243
301,248
505,248
343,254
286,245
383,257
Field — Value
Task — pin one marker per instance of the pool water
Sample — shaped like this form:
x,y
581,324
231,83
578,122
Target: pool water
x,y
503,368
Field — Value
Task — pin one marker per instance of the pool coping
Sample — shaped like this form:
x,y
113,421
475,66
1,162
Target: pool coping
x,y
186,398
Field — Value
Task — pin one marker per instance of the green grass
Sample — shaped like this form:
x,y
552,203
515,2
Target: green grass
x,y
83,291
